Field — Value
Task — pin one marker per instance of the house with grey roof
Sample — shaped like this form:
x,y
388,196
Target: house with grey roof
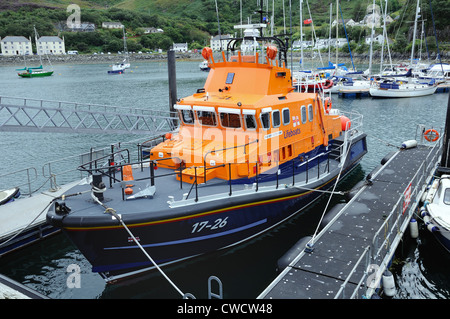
x,y
16,45
112,25
50,45
219,43
180,47
152,30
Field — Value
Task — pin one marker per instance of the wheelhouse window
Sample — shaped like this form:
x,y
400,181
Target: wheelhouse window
x,y
310,112
187,116
230,118
249,119
286,117
276,121
185,113
265,120
303,114
206,115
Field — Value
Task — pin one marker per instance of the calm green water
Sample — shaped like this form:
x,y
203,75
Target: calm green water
x,y
422,271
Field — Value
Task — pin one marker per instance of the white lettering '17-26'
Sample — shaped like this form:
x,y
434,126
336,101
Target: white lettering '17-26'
x,y
218,223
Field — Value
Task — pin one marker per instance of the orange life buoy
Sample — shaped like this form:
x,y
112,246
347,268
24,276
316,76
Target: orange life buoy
x,y
431,135
272,52
206,53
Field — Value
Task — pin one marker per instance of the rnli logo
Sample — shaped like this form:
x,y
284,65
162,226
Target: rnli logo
x,y
290,133
295,121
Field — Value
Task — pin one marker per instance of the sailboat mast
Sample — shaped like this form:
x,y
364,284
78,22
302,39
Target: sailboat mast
x,y
329,36
384,34
301,35
337,23
371,37
414,32
36,40
125,43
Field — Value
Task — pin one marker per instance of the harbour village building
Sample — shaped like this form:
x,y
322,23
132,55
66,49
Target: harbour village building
x,y
16,45
50,45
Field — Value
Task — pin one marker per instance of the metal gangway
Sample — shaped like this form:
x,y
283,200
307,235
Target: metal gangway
x,y
35,115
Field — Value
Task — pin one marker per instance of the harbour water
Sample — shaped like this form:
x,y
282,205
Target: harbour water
x,y
422,268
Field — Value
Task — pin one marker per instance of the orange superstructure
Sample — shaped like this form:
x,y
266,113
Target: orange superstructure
x,y
245,121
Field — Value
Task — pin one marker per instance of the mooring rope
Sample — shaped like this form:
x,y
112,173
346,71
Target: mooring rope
x,y
26,227
42,211
310,244
110,210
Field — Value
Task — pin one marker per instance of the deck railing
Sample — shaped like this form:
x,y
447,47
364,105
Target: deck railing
x,y
317,165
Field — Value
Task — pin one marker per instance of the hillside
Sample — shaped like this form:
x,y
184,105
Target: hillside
x,y
194,21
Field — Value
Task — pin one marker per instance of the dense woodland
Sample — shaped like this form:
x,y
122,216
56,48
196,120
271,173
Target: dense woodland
x,y
194,21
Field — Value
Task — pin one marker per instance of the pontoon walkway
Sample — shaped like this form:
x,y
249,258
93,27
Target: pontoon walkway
x,y
361,240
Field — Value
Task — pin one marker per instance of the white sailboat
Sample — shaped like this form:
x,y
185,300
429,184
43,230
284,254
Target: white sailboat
x,y
401,87
119,68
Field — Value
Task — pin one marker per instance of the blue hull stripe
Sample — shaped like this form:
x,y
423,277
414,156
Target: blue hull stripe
x,y
175,242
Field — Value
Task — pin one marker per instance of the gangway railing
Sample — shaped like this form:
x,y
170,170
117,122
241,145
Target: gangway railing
x,y
64,170
34,115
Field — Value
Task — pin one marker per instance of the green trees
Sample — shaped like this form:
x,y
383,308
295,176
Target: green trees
x,y
195,21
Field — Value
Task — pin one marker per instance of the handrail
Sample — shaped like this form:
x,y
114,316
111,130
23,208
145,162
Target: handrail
x,y
341,289
228,148
90,105
223,149
28,170
36,115
375,248
421,177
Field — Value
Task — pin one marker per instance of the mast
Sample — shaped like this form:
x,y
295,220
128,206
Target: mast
x,y
371,38
125,43
273,17
329,36
36,40
337,22
301,35
414,32
384,34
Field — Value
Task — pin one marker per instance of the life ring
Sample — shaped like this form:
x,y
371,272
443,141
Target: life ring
x,y
431,135
272,52
327,105
328,84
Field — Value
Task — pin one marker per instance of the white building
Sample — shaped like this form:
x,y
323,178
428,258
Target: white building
x,y
152,30
50,45
340,42
180,47
16,45
112,25
218,44
297,44
347,22
376,39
